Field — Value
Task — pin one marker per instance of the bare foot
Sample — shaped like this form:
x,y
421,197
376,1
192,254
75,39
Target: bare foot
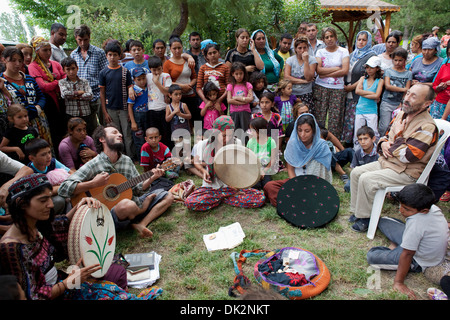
x,y
143,231
392,246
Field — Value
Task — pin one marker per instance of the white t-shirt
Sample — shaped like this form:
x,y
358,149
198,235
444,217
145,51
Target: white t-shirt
x,y
329,60
155,96
385,63
216,182
427,235
8,165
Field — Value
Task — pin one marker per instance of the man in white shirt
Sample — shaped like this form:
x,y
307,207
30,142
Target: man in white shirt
x,y
58,36
314,43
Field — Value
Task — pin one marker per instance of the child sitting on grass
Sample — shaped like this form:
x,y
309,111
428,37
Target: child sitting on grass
x,y
154,152
416,244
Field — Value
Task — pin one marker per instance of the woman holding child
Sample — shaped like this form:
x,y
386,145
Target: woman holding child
x,y
24,90
183,75
306,154
214,191
213,71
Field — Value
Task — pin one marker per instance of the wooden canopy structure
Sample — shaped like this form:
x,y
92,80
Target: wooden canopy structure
x,y
354,11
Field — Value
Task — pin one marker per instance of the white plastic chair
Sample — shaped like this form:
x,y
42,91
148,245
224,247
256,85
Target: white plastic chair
x,y
381,194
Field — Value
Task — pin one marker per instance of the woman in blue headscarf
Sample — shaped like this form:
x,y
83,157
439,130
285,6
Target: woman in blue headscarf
x,y
358,58
306,154
273,63
424,70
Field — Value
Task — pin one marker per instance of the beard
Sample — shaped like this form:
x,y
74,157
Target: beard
x,y
408,108
114,146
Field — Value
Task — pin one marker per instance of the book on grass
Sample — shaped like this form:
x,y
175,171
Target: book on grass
x,y
225,238
139,261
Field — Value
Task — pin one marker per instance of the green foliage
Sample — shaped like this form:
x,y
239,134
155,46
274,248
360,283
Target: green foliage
x,y
13,29
414,16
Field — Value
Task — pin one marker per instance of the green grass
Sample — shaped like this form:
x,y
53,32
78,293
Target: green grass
x,y
189,272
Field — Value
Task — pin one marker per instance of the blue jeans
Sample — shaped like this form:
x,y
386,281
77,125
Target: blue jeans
x,y
139,139
384,257
342,157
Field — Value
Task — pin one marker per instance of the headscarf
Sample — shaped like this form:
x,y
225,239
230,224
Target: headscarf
x,y
432,43
297,155
38,42
359,53
221,124
204,43
269,51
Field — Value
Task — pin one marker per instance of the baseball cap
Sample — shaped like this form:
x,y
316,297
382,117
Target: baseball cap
x,y
138,71
435,28
374,62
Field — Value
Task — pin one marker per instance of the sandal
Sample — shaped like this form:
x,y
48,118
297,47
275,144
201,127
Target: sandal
x,y
445,197
436,294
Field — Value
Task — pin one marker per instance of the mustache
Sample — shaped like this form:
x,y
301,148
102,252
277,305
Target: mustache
x,y
406,103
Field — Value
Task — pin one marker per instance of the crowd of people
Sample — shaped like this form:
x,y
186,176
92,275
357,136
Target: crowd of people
x,y
308,107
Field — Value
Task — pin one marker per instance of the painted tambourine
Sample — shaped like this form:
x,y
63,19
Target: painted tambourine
x,y
92,236
237,166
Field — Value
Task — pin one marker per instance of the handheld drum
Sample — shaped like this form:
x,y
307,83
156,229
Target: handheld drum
x,y
92,236
307,201
237,166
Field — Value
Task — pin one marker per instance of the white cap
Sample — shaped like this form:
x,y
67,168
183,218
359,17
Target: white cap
x,y
374,62
435,28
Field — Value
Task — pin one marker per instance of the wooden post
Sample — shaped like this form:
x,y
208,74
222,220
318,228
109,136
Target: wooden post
x,y
387,25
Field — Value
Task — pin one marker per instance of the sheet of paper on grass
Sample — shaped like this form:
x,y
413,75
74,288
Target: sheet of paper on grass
x,y
225,238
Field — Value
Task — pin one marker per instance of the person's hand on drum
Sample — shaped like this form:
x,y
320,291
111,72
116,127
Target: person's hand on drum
x,y
90,202
83,274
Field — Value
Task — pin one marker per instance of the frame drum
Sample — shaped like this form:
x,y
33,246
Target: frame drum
x,y
92,236
307,201
237,166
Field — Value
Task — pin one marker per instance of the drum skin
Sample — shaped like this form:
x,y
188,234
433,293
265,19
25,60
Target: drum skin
x,y
92,237
237,166
308,201
317,284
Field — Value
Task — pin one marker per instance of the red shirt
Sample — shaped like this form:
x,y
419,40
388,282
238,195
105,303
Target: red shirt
x,y
153,158
443,75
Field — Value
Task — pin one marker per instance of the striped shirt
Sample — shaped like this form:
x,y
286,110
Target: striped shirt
x,y
90,68
411,148
219,73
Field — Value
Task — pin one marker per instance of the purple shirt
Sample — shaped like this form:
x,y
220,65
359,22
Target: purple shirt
x,y
68,154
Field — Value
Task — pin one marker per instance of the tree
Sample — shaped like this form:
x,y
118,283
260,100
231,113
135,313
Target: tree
x,y
419,16
12,28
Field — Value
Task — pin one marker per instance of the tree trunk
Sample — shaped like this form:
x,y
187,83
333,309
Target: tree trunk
x,y
184,17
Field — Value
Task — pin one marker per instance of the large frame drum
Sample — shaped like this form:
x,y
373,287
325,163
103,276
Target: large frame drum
x,y
92,236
